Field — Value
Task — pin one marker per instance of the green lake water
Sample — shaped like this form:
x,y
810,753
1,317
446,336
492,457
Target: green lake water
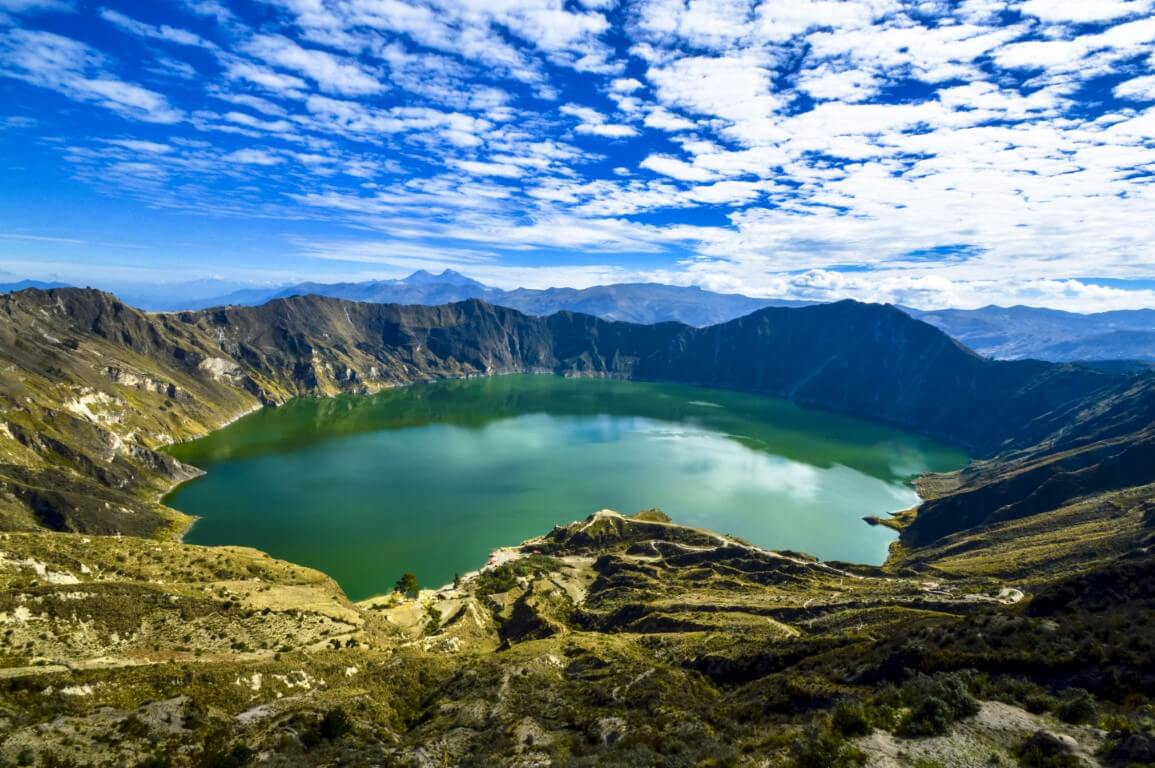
x,y
431,478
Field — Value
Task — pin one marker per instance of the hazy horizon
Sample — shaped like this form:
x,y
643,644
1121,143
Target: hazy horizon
x,y
948,154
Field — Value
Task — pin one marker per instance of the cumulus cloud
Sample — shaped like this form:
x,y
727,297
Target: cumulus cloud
x,y
1137,89
675,168
1085,10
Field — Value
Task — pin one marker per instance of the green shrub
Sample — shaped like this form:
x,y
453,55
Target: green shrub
x,y
504,577
822,748
334,724
236,757
1042,753
1038,703
1077,706
929,717
850,719
936,702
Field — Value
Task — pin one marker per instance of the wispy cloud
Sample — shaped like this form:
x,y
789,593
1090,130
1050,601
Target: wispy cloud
x,y
62,64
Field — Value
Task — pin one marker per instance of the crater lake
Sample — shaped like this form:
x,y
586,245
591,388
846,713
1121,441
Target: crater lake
x,y
431,478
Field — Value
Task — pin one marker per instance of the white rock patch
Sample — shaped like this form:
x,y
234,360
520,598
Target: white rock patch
x,y
77,690
219,368
253,683
82,407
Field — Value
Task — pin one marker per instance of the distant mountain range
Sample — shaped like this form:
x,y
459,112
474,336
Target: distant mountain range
x,y
645,303
1047,334
1009,333
24,285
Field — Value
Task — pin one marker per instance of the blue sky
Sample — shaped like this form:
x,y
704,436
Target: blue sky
x,y
933,153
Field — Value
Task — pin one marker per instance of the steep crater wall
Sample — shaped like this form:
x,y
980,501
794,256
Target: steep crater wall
x,y
92,388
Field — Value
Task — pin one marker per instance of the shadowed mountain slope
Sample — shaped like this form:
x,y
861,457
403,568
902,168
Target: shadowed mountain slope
x,y
867,360
1105,443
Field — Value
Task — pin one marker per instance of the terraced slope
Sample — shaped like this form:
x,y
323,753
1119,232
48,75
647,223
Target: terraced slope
x,y
612,641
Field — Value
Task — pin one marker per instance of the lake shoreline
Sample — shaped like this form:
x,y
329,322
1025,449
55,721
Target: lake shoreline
x,y
735,425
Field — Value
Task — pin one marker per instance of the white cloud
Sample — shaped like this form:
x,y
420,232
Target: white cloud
x,y
675,168
37,6
665,120
252,157
736,89
256,123
330,72
476,31
594,123
1137,89
163,32
1085,10
72,68
815,132
143,147
847,85
275,82
625,85
479,168
927,290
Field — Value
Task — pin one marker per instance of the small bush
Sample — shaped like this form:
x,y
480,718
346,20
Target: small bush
x,y
935,703
236,757
1043,751
825,749
1038,703
929,717
334,724
850,719
1077,706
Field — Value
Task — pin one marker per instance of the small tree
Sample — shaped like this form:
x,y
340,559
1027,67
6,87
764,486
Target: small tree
x,y
407,585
